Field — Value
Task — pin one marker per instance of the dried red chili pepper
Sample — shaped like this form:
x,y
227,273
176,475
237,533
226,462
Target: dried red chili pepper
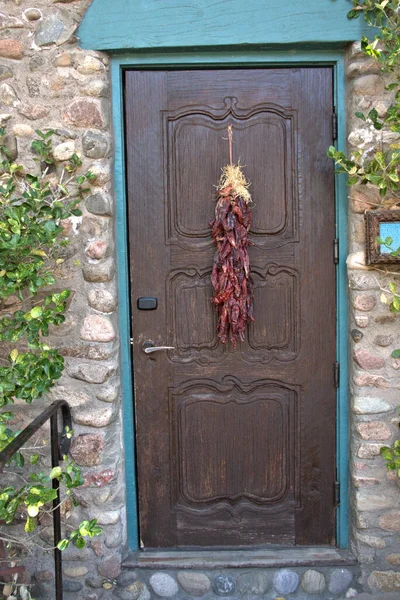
x,y
230,276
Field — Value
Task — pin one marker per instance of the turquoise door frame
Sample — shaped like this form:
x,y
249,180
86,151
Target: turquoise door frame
x,y
212,59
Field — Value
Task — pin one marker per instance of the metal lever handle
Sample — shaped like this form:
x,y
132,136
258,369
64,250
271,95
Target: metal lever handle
x,y
149,348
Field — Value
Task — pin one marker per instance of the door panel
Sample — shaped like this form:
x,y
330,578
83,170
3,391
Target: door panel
x,y
235,447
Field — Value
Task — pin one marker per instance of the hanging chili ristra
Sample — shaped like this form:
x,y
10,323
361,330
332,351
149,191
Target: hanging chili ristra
x,y
230,276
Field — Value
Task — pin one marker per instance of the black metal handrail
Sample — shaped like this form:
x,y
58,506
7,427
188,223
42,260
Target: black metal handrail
x,y
60,443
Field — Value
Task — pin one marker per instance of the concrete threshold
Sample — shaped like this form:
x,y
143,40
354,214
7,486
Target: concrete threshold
x,y
231,559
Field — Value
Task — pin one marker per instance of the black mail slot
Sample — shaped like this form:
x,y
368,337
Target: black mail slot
x,y
147,303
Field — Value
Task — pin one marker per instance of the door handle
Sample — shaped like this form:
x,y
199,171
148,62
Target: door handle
x,y
149,347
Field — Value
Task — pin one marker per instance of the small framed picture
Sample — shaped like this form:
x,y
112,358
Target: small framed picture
x,y
382,236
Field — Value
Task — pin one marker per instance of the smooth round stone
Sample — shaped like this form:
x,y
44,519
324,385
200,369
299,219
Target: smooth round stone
x,y
72,586
223,585
313,582
195,584
340,581
286,581
252,583
163,585
32,14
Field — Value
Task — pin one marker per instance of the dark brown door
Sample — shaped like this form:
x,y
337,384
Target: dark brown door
x,y
234,447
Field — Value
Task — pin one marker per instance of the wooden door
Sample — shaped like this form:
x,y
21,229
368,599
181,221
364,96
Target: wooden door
x,y
234,447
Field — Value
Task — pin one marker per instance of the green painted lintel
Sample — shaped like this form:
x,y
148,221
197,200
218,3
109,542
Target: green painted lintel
x,y
155,24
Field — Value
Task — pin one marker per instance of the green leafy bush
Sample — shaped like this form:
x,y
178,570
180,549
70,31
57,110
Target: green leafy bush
x,y
32,210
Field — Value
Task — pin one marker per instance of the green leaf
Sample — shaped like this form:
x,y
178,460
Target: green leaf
x,y
36,312
63,544
55,473
33,459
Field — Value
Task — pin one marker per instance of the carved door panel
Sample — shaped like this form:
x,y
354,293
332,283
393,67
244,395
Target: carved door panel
x,y
234,447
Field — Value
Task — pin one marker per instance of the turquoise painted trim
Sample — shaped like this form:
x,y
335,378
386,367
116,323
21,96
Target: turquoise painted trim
x,y
121,236
151,24
342,436
230,59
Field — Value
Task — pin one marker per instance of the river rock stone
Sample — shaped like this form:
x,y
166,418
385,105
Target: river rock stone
x,y
369,85
50,30
97,328
64,151
96,249
393,559
369,450
364,302
94,144
340,581
10,142
75,571
111,567
98,204
365,405
86,449
253,583
374,430
362,281
87,65
372,501
72,586
10,48
369,380
84,112
368,361
73,397
37,62
102,300
7,95
97,88
99,479
145,593
108,394
126,578
383,340
91,372
390,521
5,73
313,582
163,585
33,112
385,581
8,22
32,14
128,594
33,86
93,416
372,541
22,130
194,584
101,169
361,320
63,60
357,335
224,585
99,272
286,581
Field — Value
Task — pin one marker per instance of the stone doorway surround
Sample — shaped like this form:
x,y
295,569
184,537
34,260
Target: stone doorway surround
x,y
48,80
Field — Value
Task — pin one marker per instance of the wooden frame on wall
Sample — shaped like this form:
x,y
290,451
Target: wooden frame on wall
x,y
382,224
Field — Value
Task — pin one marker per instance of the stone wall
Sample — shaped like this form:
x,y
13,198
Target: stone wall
x,y
374,375
47,81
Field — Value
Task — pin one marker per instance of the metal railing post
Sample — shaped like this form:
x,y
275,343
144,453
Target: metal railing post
x,y
59,447
55,451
